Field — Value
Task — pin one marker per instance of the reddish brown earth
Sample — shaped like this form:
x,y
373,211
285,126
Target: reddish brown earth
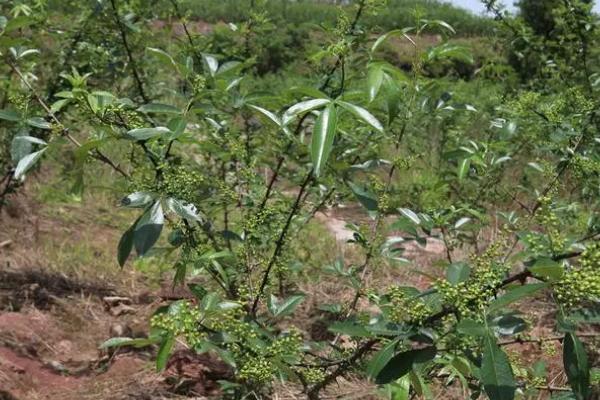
x,y
53,316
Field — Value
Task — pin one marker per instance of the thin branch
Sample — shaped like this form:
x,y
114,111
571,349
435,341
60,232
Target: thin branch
x,y
134,69
281,240
541,340
97,154
313,393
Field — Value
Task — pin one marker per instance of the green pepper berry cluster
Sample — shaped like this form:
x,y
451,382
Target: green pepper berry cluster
x,y
313,375
595,377
226,192
342,26
582,283
548,218
374,7
232,323
526,102
182,183
259,18
466,297
555,110
19,100
536,243
236,145
56,129
404,162
119,114
198,84
456,341
406,308
287,345
471,296
549,348
259,370
584,167
183,322
256,359
383,196
261,223
517,365
245,292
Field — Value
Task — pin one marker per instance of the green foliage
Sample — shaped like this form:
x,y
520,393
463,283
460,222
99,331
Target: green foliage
x,y
224,146
386,15
538,15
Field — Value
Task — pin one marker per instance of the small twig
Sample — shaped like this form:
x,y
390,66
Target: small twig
x,y
540,340
125,41
281,240
97,154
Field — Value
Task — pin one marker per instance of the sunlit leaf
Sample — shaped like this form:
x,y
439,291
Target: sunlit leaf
x,y
27,162
576,366
496,372
323,137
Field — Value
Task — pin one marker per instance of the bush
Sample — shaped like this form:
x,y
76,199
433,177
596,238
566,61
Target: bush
x,y
226,165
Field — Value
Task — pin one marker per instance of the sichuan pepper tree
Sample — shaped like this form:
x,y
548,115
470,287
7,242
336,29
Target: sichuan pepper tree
x,y
512,201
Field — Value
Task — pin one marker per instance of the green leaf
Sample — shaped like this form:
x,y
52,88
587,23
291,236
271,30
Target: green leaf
x,y
30,139
471,328
147,133
18,22
10,115
349,328
163,55
461,222
402,363
148,229
158,108
449,51
24,53
186,211
137,200
27,162
576,366
515,294
381,358
546,267
375,76
303,107
126,341
458,272
274,118
176,125
38,122
19,148
322,138
588,315
411,215
288,305
59,105
125,245
508,324
463,168
198,290
362,114
210,63
400,390
443,24
496,373
420,385
163,352
386,36
367,199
